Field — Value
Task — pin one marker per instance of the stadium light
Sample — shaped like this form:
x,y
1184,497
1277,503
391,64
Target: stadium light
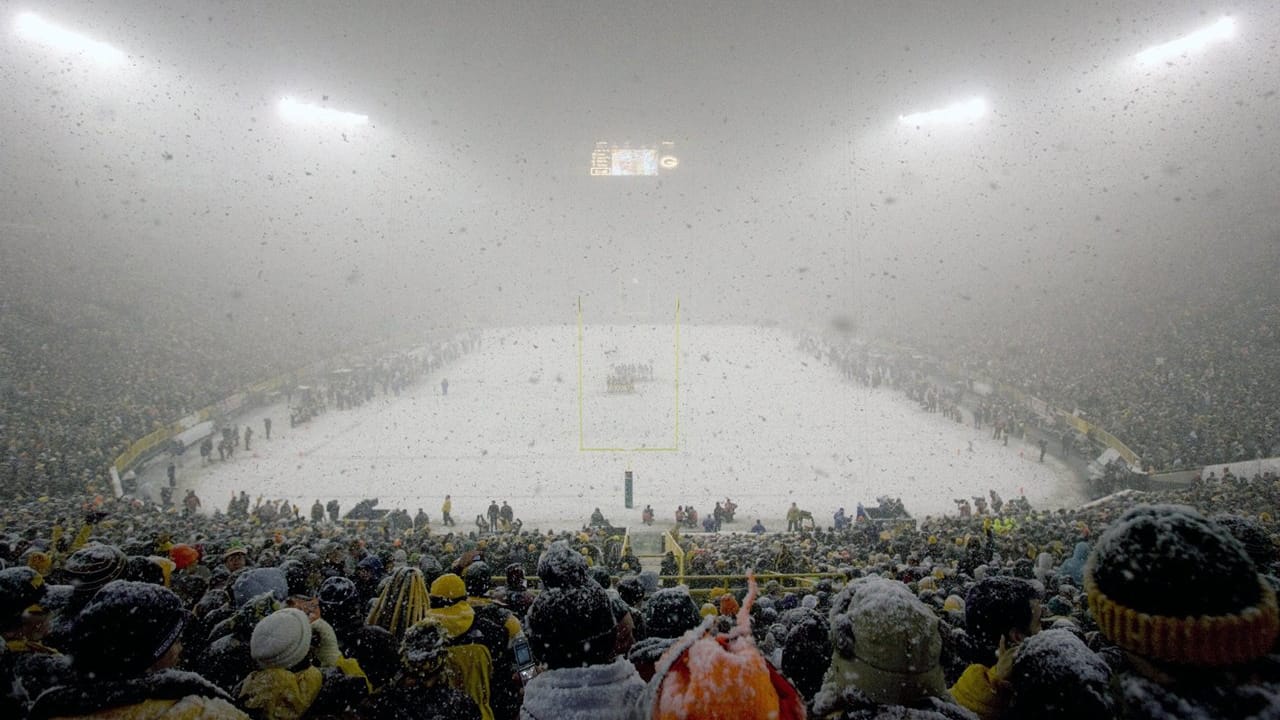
x,y
34,27
293,111
1224,29
961,112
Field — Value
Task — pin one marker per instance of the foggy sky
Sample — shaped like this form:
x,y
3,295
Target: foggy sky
x,y
799,195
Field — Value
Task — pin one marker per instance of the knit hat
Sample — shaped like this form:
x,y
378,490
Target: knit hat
x,y
886,643
562,566
184,556
515,578
126,628
1166,583
338,597
693,678
1055,675
630,590
281,639
449,604
478,578
424,648
93,566
430,567
670,613
571,626
995,605
1252,536
20,589
256,581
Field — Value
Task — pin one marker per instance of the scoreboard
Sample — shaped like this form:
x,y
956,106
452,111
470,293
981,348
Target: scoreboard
x,y
614,160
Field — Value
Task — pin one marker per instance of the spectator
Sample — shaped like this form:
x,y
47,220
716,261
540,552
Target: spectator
x,y
1195,622
886,656
1000,612
667,614
1056,677
290,683
720,676
421,690
571,631
469,657
126,648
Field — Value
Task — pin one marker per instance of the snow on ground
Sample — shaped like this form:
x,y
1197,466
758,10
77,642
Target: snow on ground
x,y
758,420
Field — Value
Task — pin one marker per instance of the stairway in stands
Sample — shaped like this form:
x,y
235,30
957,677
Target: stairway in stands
x,y
646,543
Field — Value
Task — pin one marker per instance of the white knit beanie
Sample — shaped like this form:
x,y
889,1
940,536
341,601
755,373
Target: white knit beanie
x,y
281,639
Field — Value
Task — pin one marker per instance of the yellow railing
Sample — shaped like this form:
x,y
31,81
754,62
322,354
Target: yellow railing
x,y
702,585
669,545
1107,438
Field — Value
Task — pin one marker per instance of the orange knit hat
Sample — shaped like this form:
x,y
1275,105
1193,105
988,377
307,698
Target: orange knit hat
x,y
690,680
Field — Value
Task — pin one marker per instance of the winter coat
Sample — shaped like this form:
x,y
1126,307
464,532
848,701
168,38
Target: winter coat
x,y
1214,695
164,695
279,694
980,691
472,669
420,702
849,703
225,661
28,672
375,649
644,655
595,692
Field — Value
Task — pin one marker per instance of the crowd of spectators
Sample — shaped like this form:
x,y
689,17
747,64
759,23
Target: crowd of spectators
x,y
72,399
1149,609
81,380
1185,382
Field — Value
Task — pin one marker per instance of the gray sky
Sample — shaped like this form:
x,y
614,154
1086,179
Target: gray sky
x,y
799,195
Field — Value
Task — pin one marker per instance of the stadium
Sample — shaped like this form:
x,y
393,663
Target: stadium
x,y
547,360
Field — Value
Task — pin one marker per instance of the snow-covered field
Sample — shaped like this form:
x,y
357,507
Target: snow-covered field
x,y
758,421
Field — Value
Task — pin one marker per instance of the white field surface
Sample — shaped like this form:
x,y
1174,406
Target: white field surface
x,y
759,421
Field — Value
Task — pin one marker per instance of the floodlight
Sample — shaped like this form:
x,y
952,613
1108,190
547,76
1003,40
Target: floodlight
x,y
1196,41
294,111
962,112
34,27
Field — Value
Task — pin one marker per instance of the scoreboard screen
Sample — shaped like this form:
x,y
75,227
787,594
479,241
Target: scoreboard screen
x,y
614,160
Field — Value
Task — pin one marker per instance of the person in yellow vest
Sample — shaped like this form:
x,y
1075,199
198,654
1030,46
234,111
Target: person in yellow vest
x,y
469,658
446,512
793,518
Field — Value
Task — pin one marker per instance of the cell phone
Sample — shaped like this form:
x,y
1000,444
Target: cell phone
x,y
522,654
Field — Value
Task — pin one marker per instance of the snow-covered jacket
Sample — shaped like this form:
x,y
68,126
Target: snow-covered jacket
x,y
595,692
164,695
836,702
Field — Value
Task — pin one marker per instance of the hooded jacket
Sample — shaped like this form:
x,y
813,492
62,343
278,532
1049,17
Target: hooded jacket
x,y
602,692
280,694
849,703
